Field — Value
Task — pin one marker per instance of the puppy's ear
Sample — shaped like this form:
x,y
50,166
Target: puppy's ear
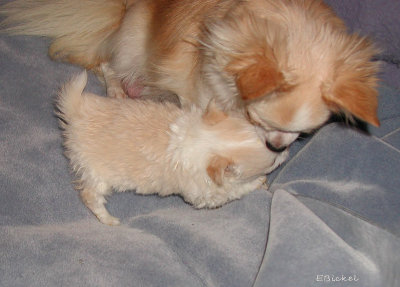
x,y
355,95
256,76
218,168
213,114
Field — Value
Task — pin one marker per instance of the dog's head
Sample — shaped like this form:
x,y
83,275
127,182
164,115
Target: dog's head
x,y
291,67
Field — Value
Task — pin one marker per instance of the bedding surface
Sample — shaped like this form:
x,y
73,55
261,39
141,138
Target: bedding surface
x,y
331,216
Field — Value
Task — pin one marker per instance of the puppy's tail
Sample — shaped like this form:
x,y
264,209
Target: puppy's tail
x,y
79,28
70,99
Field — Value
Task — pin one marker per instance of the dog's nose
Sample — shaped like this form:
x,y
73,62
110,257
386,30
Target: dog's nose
x,y
274,148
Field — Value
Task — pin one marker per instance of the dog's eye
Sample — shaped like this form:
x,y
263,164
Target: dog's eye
x,y
251,120
307,133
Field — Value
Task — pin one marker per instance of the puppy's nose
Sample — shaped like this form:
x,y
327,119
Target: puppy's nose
x,y
274,148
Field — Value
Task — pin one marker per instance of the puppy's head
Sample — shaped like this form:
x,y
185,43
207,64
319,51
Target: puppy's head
x,y
291,66
220,156
237,155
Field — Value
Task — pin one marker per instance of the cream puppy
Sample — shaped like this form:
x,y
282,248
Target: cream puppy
x,y
207,157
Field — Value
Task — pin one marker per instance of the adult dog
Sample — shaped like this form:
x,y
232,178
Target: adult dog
x,y
287,64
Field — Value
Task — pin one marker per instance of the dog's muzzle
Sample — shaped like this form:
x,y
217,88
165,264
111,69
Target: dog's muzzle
x,y
273,148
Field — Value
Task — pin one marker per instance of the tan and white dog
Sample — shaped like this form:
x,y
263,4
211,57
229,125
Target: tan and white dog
x,y
287,64
209,158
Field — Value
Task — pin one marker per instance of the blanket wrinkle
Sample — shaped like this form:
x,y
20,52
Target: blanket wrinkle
x,y
369,238
354,162
391,133
282,195
327,251
387,141
343,209
183,254
345,187
199,238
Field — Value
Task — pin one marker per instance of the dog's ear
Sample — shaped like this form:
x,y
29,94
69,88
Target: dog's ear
x,y
355,95
213,114
354,88
256,76
220,167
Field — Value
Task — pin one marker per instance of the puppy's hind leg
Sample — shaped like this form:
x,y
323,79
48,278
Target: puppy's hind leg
x,y
94,199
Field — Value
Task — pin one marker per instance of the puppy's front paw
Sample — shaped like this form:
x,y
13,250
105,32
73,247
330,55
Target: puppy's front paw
x,y
109,220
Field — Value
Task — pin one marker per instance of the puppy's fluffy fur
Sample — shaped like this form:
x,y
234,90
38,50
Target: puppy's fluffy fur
x,y
209,158
287,64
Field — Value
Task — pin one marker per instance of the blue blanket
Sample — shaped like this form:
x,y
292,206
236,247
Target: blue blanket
x,y
331,216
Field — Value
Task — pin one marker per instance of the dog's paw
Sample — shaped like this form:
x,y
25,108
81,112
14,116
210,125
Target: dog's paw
x,y
116,92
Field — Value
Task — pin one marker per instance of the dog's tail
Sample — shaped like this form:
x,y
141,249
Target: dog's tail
x,y
79,28
70,99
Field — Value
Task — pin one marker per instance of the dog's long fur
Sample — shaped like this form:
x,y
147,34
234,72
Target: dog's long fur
x,y
209,158
287,64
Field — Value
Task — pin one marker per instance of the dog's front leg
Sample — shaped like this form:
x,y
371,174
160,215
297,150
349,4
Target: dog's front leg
x,y
113,83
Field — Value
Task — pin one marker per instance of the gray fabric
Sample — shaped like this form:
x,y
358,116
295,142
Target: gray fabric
x,y
360,175
332,211
343,216
379,20
312,243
